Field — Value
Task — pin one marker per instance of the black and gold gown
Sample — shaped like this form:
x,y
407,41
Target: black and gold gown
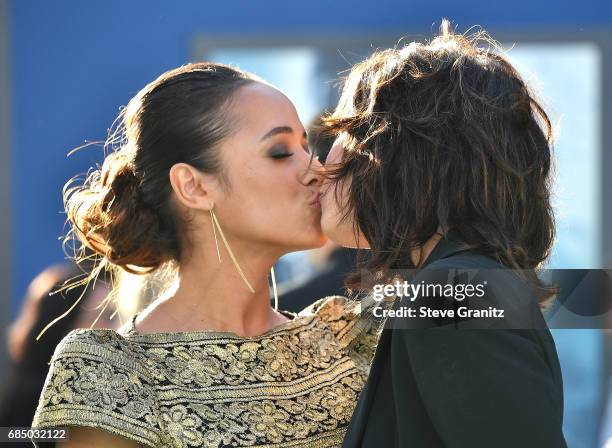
x,y
294,386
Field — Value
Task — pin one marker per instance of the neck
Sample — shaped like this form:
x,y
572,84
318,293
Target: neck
x,y
213,296
419,256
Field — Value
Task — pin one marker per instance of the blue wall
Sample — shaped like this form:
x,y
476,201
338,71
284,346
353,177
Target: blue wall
x,y
73,63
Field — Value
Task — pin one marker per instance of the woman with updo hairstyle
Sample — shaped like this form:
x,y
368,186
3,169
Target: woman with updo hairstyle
x,y
208,176
441,168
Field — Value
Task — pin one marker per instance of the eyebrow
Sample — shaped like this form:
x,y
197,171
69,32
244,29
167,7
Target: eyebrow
x,y
280,130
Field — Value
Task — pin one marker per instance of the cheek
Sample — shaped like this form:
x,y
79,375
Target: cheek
x,y
340,231
329,224
329,210
331,214
267,188
249,201
274,206
334,196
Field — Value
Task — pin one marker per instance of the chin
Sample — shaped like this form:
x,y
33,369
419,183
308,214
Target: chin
x,y
334,233
342,234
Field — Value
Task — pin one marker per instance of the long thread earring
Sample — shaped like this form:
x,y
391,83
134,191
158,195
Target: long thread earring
x,y
274,288
229,251
212,221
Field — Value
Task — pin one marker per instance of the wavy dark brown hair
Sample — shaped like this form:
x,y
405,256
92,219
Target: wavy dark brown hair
x,y
444,134
120,215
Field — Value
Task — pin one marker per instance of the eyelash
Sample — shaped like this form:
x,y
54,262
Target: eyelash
x,y
281,156
284,155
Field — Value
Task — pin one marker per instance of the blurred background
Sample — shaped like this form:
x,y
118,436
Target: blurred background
x,y
66,66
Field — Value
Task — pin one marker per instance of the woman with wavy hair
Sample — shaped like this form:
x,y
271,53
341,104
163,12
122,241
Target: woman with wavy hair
x,y
442,164
208,175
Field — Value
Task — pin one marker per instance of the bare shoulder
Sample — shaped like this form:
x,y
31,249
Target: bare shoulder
x,y
81,437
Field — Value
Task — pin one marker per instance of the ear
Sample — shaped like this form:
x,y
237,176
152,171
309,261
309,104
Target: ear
x,y
193,189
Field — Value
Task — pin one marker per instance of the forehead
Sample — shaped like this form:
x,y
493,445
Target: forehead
x,y
259,107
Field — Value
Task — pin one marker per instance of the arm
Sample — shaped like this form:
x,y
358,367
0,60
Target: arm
x,y
486,387
94,384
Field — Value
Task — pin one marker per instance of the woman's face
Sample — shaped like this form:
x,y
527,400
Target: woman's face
x,y
332,201
273,197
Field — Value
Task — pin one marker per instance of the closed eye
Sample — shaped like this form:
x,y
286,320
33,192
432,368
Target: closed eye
x,y
281,155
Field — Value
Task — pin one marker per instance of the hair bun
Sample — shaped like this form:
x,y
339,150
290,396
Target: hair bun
x,y
110,216
122,181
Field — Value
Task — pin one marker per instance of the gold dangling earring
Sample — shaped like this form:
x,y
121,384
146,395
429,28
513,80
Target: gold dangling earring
x,y
212,220
274,288
213,217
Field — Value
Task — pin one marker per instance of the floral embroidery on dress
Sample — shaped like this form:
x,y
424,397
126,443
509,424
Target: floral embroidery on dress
x,y
182,425
294,386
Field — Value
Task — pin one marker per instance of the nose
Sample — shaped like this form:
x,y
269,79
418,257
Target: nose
x,y
313,176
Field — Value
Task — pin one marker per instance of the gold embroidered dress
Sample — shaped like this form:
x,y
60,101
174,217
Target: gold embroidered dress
x,y
294,386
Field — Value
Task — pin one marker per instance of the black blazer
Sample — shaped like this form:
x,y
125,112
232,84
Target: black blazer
x,y
471,388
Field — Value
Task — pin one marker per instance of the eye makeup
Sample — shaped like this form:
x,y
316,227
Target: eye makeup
x,y
279,151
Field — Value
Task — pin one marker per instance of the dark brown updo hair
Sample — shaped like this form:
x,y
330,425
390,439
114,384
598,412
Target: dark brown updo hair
x,y
445,133
122,211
